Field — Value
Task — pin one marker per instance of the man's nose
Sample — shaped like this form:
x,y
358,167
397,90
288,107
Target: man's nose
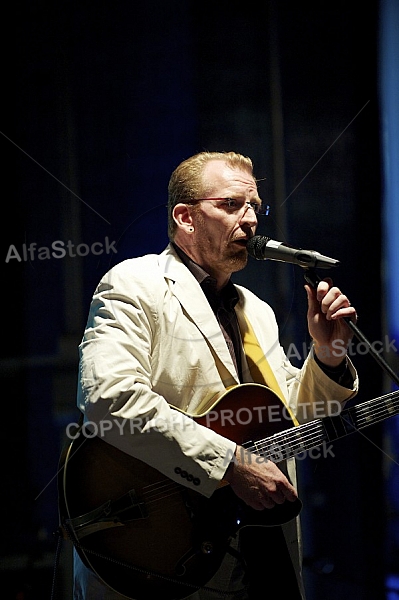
x,y
249,215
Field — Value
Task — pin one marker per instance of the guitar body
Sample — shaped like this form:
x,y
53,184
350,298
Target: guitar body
x,y
147,536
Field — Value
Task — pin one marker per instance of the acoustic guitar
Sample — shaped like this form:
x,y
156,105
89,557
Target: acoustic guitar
x,y
146,535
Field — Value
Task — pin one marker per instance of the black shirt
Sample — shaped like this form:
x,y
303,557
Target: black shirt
x,y
222,303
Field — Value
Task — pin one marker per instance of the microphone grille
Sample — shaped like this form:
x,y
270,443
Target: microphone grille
x,y
255,245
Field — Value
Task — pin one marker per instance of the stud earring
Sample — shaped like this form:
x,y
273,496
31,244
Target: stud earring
x,y
191,229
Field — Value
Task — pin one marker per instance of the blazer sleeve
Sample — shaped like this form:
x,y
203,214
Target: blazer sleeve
x,y
115,388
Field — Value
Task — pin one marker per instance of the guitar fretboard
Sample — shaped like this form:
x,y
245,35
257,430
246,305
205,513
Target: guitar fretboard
x,y
296,440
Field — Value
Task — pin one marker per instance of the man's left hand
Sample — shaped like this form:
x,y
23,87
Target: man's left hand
x,y
330,333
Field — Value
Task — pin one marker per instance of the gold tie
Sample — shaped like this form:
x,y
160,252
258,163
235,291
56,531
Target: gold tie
x,y
258,364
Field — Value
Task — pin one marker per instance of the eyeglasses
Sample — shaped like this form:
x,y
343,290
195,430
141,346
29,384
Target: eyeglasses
x,y
233,205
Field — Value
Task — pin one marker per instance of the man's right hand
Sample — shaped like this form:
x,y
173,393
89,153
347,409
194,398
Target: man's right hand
x,y
258,481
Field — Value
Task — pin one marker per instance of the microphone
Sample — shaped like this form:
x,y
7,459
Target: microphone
x,y
263,248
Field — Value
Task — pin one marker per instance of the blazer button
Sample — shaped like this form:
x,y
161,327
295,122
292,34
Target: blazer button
x,y
196,481
177,470
190,477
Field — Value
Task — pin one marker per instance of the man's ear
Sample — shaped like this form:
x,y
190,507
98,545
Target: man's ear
x,y
182,216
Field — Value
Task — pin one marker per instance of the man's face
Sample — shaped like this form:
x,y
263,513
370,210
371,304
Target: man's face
x,y
221,228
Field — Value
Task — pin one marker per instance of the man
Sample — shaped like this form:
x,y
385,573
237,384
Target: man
x,y
166,332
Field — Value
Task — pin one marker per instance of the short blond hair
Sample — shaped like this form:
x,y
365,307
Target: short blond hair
x,y
186,181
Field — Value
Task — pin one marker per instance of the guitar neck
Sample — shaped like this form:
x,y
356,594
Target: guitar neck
x,y
294,441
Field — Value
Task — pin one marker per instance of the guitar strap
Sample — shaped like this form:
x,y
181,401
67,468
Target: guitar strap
x,y
258,364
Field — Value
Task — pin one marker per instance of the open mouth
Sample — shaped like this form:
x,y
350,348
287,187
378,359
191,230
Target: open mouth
x,y
241,242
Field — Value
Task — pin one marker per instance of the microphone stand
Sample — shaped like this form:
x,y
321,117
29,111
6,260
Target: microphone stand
x,y
313,279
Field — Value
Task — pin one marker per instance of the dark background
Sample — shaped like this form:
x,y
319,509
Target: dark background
x,y
100,103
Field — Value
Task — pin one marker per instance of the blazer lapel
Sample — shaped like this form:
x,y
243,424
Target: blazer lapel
x,y
190,295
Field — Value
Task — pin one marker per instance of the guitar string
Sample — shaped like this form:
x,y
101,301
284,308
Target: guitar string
x,y
368,410
154,507
304,439
162,490
365,413
154,488
307,438
283,445
377,414
174,490
279,441
165,494
382,410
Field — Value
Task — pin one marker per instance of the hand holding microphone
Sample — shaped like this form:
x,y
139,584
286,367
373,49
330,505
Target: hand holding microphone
x,y
328,307
263,248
